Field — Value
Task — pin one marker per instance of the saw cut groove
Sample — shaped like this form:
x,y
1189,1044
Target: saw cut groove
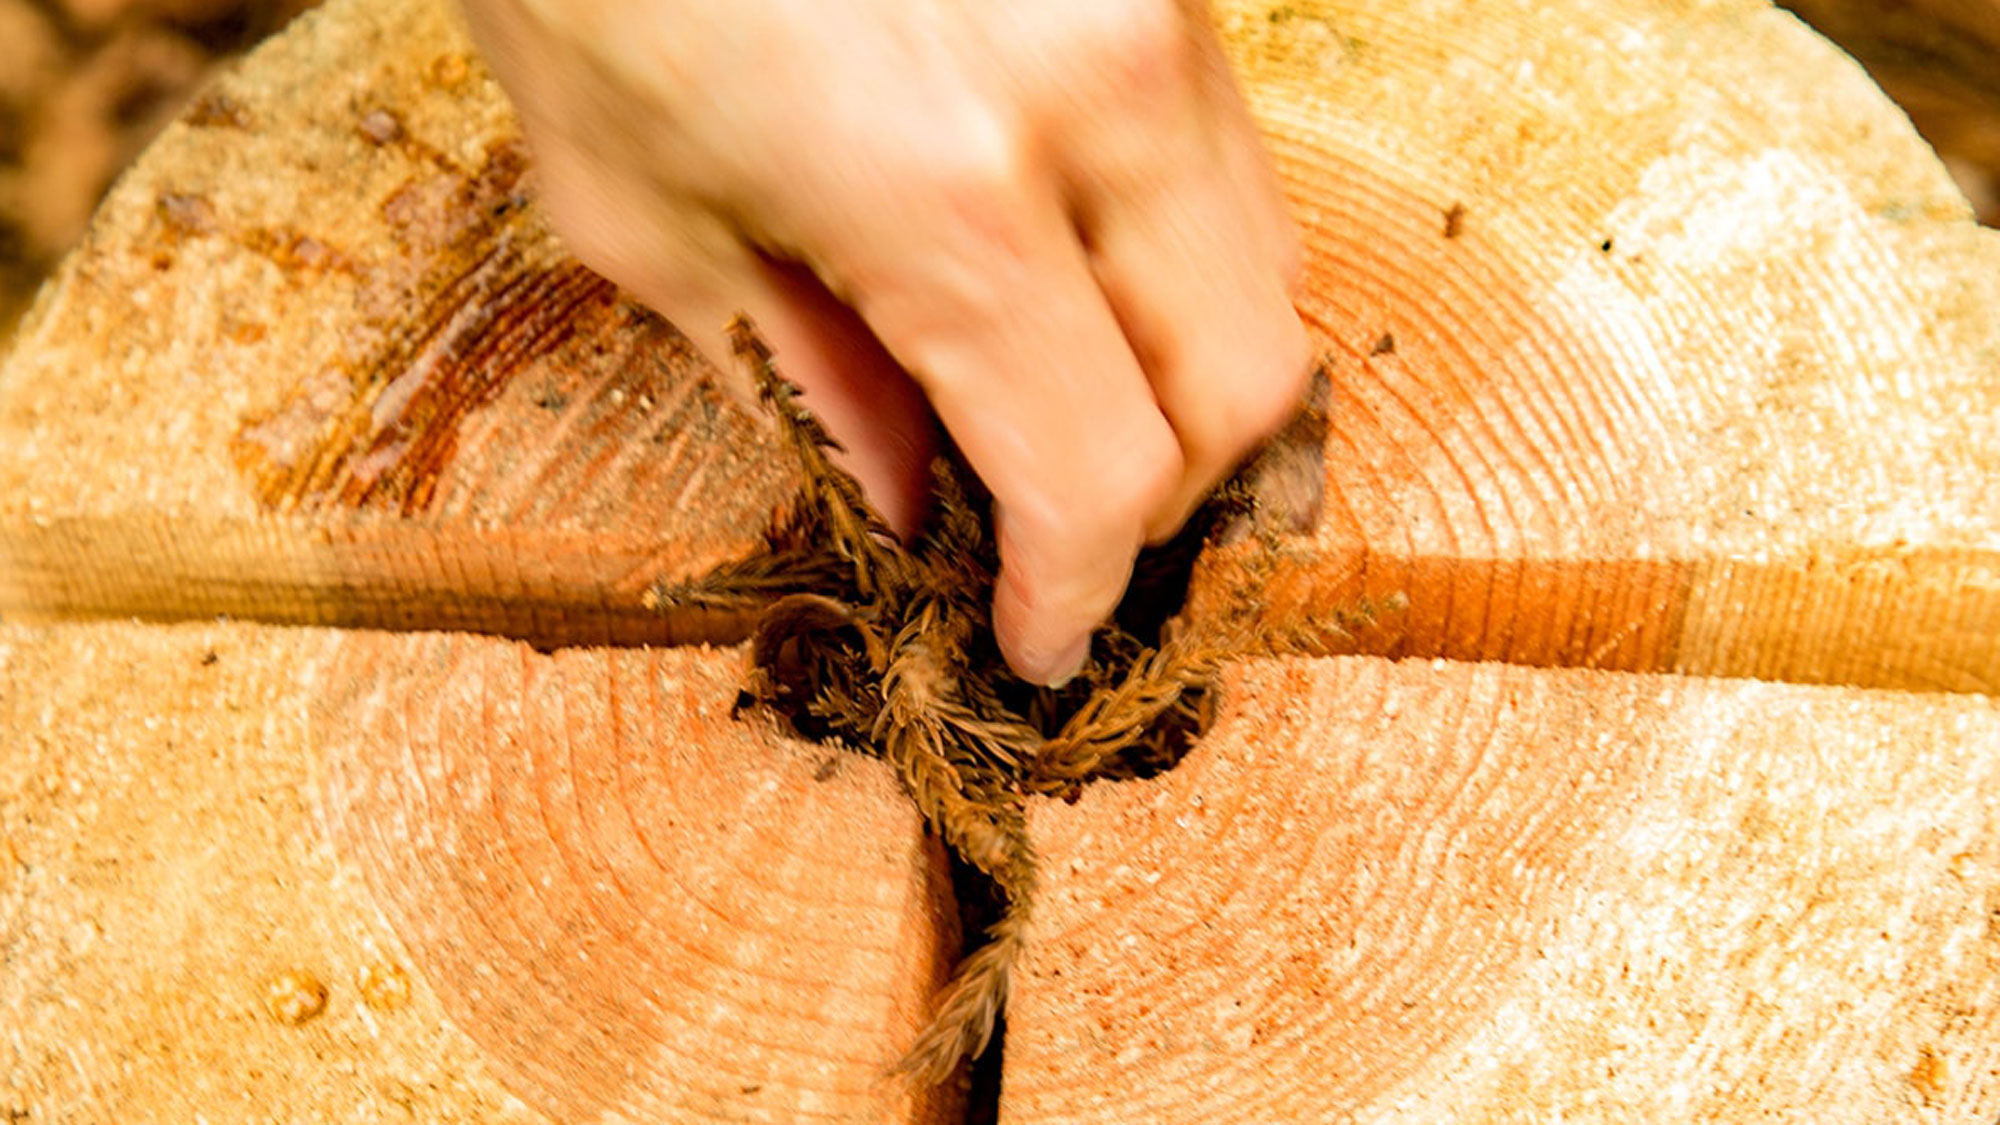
x,y
1601,390
414,410
1480,475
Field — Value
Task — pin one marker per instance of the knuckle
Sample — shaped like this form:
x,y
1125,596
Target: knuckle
x,y
1224,432
910,173
975,200
1146,475
958,253
1115,483
1142,50
968,153
966,147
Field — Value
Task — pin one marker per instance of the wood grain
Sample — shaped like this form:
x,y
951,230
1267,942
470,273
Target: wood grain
x,y
525,888
1424,891
640,907
162,868
1656,341
1640,359
322,362
1577,418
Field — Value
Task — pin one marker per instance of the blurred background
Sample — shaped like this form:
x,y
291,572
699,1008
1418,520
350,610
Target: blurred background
x,y
85,83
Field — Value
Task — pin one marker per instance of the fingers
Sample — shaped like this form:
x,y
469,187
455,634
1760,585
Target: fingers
x,y
1054,214
871,406
1225,352
1193,249
1102,323
878,415
997,313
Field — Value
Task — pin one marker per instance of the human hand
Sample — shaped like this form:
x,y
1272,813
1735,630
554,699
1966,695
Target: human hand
x,y
1054,214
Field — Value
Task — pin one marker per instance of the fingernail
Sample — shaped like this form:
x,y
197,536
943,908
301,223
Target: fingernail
x,y
1067,663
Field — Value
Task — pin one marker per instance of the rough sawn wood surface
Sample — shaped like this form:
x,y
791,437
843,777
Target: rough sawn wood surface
x,y
1652,771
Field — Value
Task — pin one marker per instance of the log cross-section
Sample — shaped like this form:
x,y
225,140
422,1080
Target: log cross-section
x,y
1621,743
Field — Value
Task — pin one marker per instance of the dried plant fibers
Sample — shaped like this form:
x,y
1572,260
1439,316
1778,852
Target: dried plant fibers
x,y
1647,766
873,644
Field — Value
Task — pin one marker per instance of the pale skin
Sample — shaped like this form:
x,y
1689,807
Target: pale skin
x,y
1047,224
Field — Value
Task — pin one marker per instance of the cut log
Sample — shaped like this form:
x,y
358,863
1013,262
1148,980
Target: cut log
x,y
1656,343
260,874
1447,892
